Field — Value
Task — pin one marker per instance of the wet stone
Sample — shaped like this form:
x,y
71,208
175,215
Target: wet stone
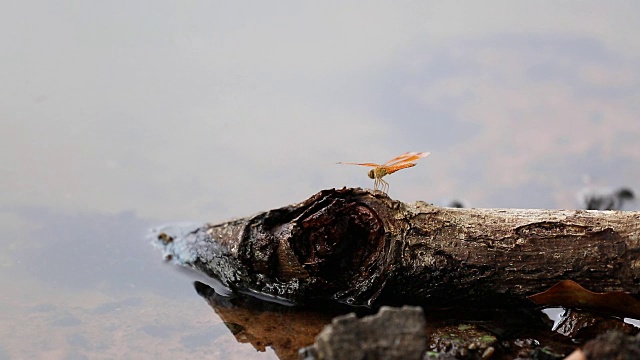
x,y
613,345
392,333
462,342
584,325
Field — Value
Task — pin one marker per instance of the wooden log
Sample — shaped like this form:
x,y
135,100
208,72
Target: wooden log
x,y
361,247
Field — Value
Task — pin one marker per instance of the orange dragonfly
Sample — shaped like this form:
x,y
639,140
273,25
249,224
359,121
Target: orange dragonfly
x,y
403,161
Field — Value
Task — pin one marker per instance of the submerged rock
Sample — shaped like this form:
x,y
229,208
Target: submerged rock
x,y
392,333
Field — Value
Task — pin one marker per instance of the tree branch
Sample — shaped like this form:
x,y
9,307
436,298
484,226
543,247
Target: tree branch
x,y
359,247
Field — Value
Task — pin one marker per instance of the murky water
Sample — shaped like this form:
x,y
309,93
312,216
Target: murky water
x,y
91,286
118,118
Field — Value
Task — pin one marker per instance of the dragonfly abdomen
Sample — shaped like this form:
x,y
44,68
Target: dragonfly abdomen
x,y
391,169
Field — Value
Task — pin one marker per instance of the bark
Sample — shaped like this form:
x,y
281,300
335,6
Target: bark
x,y
361,247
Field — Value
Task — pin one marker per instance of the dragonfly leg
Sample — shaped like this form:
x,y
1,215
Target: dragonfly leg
x,y
385,186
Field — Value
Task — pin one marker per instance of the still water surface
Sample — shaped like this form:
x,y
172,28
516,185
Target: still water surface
x,y
91,286
117,118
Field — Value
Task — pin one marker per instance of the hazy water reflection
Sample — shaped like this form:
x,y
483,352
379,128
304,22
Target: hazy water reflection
x,y
119,117
91,286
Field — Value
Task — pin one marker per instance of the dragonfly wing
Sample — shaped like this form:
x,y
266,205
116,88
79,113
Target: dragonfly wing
x,y
393,168
362,164
400,157
407,158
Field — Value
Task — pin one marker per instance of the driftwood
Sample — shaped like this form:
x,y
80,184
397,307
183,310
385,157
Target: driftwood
x,y
361,247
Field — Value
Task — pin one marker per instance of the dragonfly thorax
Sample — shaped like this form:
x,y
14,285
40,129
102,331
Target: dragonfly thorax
x,y
377,173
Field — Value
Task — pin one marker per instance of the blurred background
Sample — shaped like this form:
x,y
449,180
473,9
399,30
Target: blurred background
x,y
118,116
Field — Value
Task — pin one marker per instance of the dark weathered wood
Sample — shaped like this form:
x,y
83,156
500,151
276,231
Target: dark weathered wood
x,y
358,246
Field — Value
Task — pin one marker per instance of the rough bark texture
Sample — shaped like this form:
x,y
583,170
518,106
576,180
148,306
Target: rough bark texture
x,y
359,247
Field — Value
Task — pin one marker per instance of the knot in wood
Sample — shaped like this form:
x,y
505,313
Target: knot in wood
x,y
339,242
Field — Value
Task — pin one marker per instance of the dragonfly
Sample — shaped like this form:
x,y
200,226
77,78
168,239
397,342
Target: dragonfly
x,y
403,161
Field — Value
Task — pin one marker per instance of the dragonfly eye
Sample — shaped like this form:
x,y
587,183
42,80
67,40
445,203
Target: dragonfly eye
x,y
372,175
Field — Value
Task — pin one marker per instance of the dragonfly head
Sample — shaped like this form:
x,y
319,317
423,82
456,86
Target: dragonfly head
x,y
372,174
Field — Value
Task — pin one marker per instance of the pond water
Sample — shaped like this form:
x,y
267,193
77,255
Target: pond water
x,y
118,118
90,286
